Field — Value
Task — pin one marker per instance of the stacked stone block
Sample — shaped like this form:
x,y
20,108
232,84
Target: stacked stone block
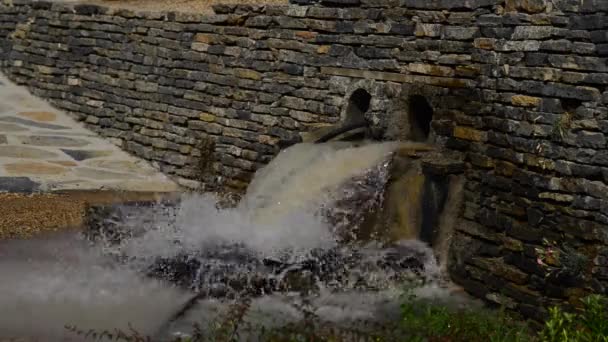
x,y
537,178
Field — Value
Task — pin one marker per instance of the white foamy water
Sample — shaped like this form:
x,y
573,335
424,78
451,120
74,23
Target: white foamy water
x,y
51,282
279,211
199,223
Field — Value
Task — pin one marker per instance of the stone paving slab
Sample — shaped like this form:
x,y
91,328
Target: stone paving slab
x,y
44,149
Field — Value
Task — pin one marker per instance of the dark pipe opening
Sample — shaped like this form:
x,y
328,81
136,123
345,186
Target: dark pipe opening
x,y
420,117
358,105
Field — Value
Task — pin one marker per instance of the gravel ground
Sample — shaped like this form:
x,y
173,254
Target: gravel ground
x,y
191,6
27,215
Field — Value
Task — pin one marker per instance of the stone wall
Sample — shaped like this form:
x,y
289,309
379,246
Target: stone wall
x,y
249,78
537,155
519,87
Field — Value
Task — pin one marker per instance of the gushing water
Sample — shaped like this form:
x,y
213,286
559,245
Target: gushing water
x,y
305,174
281,237
279,211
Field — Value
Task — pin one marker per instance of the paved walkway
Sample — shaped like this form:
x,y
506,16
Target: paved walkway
x,y
43,149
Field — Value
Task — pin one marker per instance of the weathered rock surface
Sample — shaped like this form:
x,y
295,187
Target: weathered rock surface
x,y
18,184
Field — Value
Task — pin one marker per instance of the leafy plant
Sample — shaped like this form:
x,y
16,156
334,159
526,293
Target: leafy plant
x,y
588,325
228,329
561,126
560,260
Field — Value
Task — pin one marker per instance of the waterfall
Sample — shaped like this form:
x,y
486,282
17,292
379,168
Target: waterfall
x,y
339,223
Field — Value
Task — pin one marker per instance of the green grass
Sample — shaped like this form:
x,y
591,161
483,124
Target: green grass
x,y
421,321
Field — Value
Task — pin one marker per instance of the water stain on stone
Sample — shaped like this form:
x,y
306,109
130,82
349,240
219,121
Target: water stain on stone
x,y
13,151
33,168
44,140
5,108
118,165
100,174
80,155
65,163
40,116
18,184
9,127
21,121
3,139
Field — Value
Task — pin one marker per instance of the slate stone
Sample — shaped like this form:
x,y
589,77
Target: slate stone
x,y
562,91
97,174
33,168
39,116
43,5
303,2
13,151
293,69
87,9
537,59
447,4
497,32
590,139
340,3
80,155
18,184
119,165
13,119
223,8
44,140
533,32
600,36
561,45
403,29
